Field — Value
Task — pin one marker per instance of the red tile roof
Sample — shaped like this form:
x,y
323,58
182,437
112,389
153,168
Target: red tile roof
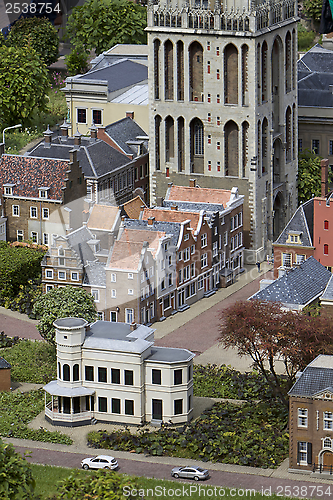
x,y
172,216
199,195
28,174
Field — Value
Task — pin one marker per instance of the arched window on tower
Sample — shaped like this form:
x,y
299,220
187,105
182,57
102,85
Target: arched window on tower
x,y
158,142
230,74
168,70
288,134
258,64
76,372
264,53
65,372
264,146
169,139
196,71
259,146
245,75
294,131
231,149
245,146
181,144
197,146
180,71
157,44
288,62
294,58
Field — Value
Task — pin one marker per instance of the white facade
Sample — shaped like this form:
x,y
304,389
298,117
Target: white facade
x,y
111,372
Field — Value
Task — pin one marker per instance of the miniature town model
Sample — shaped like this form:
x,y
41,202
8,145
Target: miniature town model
x,y
112,372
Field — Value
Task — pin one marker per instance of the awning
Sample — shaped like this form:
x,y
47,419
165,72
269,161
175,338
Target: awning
x,y
55,389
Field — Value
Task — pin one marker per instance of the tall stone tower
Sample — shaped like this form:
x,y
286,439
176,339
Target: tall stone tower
x,y
223,105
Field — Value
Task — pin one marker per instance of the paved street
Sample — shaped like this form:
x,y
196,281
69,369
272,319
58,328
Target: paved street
x,y
266,481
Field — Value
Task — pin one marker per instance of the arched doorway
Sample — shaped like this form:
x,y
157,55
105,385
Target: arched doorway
x,y
327,460
197,146
278,215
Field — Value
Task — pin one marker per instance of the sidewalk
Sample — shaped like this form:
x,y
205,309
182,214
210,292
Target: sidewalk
x,y
14,324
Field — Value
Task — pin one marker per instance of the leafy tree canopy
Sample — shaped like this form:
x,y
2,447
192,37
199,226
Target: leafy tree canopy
x,y
16,479
37,33
101,24
24,84
312,9
263,331
63,302
18,265
309,176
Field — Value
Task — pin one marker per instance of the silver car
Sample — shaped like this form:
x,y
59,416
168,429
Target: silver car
x,y
190,472
100,462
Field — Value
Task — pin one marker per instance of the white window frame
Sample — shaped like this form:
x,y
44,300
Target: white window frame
x,y
77,115
186,254
286,259
113,277
34,234
186,237
116,315
225,238
130,291
75,279
8,191
204,240
215,249
302,417
300,258
45,213
303,452
16,208
59,273
92,116
19,235
328,421
130,276
95,294
43,194
46,239
51,274
33,210
129,314
113,293
204,260
49,288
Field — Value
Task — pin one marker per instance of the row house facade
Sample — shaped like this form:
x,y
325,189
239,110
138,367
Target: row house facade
x,y
40,198
224,213
311,418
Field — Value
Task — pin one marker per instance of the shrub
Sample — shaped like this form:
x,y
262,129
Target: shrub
x,y
16,479
17,410
252,435
7,341
33,362
77,61
25,299
305,39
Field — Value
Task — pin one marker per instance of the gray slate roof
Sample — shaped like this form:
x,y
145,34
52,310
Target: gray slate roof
x,y
78,241
301,221
315,74
95,274
299,286
121,74
328,292
169,355
125,130
312,381
4,364
95,156
194,207
172,228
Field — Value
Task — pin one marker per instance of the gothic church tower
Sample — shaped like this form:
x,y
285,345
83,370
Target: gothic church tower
x,y
223,105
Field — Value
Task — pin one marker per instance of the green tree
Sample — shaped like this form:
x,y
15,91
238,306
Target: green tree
x,y
16,481
37,33
309,176
100,24
63,302
24,84
312,9
77,61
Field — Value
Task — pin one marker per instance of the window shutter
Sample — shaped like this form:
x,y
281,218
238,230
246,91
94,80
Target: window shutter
x,y
309,453
298,452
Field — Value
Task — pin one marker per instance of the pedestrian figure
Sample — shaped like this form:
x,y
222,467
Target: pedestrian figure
x,y
258,266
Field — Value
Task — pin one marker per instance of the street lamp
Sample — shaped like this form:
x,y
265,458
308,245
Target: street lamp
x,y
7,128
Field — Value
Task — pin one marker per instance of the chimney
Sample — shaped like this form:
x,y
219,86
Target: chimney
x,y
174,207
159,201
151,221
133,326
130,114
2,148
192,183
324,178
93,131
77,138
64,130
73,156
47,137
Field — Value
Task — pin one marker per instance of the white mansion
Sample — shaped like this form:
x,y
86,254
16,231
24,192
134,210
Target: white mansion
x,y
111,372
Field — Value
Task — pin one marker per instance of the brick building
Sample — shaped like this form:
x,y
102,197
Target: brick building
x,y
41,197
311,418
5,378
223,106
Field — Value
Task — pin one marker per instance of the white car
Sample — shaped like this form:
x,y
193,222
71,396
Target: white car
x,y
100,462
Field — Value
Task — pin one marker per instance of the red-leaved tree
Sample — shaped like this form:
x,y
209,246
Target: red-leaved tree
x,y
268,334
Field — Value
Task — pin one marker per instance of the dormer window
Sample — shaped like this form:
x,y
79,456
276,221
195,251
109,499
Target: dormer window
x,y
294,238
43,192
8,189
